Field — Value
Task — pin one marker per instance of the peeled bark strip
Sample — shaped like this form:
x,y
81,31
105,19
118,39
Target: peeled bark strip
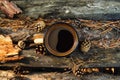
x,y
7,50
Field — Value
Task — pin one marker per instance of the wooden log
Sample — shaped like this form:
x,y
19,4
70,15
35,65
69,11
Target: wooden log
x,y
86,9
101,59
9,8
96,76
94,58
55,75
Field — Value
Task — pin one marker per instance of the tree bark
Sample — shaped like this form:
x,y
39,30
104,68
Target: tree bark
x,y
85,9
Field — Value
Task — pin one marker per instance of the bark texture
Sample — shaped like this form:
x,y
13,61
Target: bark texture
x,y
87,9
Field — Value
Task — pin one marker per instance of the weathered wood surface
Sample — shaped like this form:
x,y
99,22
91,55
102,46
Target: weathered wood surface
x,y
9,75
87,9
96,57
101,59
